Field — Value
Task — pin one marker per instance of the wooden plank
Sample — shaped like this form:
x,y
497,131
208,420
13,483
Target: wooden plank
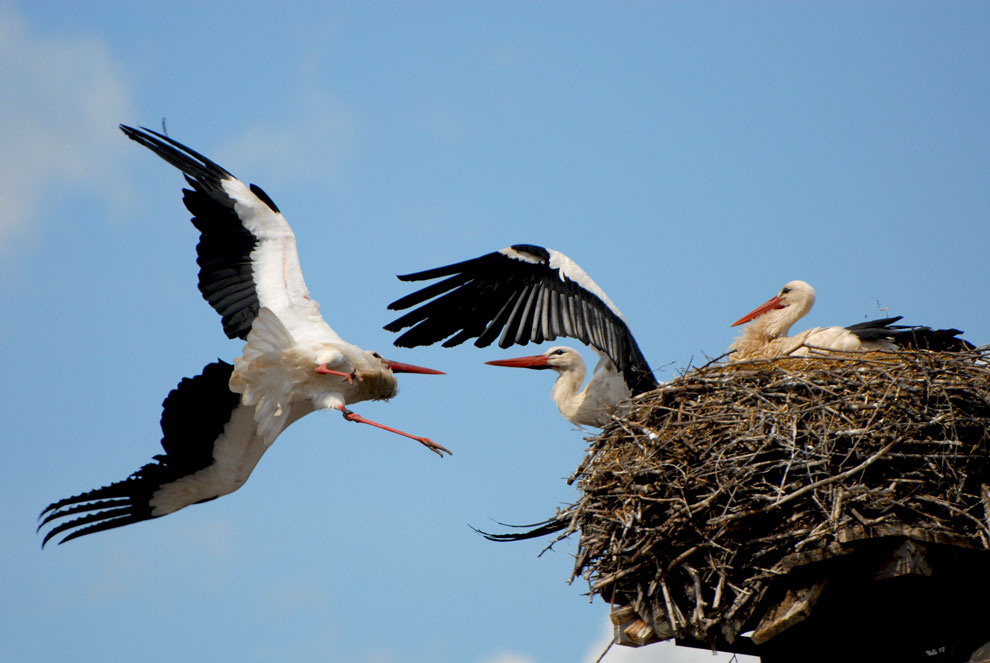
x,y
910,558
795,607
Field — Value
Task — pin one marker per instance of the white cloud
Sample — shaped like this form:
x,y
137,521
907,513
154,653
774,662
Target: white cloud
x,y
62,96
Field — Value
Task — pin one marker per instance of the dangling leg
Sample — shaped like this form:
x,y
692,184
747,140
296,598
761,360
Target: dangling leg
x,y
425,441
350,377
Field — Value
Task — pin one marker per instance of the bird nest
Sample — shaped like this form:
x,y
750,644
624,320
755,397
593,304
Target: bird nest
x,y
695,502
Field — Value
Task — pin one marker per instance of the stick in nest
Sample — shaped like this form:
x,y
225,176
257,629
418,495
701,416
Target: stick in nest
x,y
756,459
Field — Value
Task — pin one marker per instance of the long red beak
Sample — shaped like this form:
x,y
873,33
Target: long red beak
x,y
399,367
769,305
534,361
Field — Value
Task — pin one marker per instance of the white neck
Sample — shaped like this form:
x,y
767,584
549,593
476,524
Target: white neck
x,y
591,406
567,392
777,323
767,335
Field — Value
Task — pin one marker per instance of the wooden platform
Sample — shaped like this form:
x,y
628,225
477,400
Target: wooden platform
x,y
877,595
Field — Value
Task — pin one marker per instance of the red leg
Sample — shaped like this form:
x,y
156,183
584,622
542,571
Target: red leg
x,y
322,368
425,441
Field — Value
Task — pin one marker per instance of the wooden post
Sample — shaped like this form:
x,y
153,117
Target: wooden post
x,y
880,594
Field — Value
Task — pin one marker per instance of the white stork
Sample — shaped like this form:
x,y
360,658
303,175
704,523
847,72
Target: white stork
x,y
766,336
529,293
217,425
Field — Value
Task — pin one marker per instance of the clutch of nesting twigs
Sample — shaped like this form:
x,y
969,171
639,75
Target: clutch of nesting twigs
x,y
701,496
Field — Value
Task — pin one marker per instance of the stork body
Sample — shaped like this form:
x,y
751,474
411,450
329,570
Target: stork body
x,y
588,406
769,323
217,425
526,293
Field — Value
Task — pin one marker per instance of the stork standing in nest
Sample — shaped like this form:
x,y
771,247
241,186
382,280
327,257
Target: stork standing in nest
x,y
766,335
528,293
217,425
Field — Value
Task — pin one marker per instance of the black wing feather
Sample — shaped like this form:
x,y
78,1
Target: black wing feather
x,y
194,415
498,296
226,276
912,337
558,523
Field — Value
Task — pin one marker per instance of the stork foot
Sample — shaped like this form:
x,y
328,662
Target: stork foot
x,y
438,449
425,441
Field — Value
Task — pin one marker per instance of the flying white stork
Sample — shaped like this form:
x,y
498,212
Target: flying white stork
x,y
217,425
766,336
529,293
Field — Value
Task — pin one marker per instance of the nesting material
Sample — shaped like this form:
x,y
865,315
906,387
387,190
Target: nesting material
x,y
699,500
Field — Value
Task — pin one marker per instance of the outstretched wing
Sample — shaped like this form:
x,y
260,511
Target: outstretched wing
x,y
525,293
211,446
246,252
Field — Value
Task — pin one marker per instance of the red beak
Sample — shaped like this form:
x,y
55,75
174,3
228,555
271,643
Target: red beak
x,y
534,361
769,305
399,367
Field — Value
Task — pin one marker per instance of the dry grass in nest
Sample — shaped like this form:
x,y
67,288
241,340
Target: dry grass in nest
x,y
691,503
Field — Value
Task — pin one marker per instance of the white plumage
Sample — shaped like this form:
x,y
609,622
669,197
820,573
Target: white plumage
x,y
766,334
217,425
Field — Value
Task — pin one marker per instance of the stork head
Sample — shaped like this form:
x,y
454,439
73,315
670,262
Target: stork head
x,y
559,358
793,301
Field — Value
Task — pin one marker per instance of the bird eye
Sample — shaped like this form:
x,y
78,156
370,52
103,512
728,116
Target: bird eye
x,y
557,352
784,291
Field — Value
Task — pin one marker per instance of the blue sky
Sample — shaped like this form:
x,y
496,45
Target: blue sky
x,y
692,157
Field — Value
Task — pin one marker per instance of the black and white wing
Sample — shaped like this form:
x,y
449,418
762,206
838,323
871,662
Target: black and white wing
x,y
519,294
211,446
912,337
246,252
